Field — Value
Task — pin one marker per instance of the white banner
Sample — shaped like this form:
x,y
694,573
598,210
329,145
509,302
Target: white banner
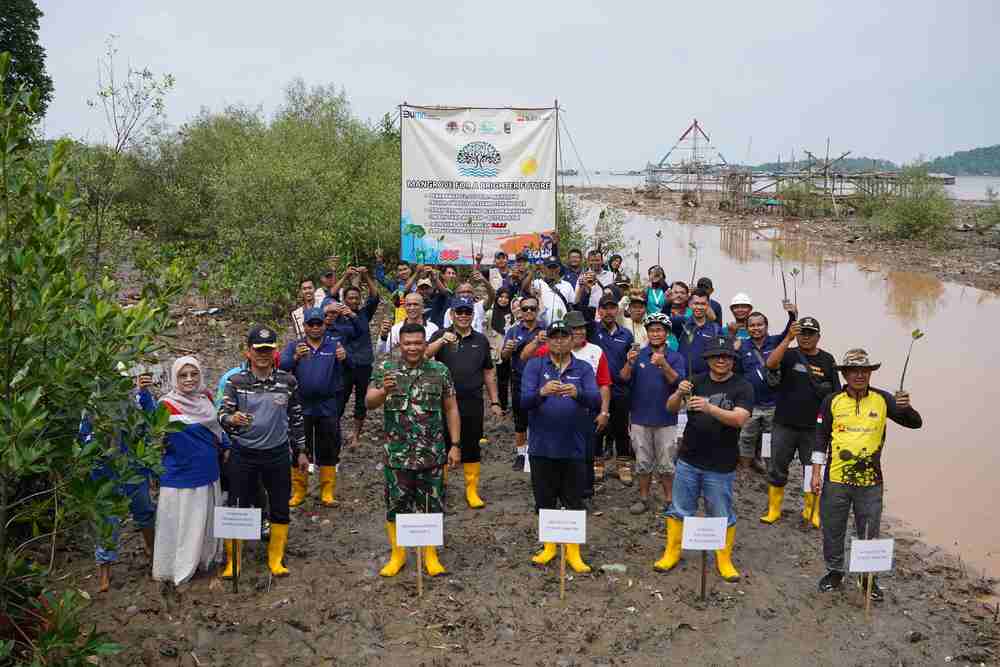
x,y
476,181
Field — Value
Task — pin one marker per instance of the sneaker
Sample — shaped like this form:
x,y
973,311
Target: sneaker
x,y
638,507
876,592
625,474
831,581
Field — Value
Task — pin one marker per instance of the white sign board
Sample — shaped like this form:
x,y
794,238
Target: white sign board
x,y
236,523
476,181
765,446
704,533
420,530
562,526
871,555
807,477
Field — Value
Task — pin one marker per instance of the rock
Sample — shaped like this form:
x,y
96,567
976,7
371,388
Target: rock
x,y
964,227
131,610
615,568
914,636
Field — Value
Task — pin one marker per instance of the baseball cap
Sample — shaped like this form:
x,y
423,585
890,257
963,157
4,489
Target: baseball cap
x,y
498,254
559,326
463,302
574,319
810,323
425,281
552,262
313,314
705,283
607,300
262,336
328,273
720,347
858,358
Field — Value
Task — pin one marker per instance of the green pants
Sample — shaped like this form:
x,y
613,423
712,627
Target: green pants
x,y
413,491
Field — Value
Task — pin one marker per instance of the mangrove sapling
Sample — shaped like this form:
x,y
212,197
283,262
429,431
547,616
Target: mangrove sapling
x,y
795,285
915,335
694,268
659,236
781,265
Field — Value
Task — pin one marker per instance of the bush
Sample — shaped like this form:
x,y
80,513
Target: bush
x,y
62,339
923,211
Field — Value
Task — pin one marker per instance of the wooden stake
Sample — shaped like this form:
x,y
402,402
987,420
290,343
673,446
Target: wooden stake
x,y
868,588
562,571
236,565
704,573
420,573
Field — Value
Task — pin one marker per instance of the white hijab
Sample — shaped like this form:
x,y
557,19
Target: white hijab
x,y
194,407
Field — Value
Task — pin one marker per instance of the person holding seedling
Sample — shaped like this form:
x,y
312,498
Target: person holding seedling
x,y
850,437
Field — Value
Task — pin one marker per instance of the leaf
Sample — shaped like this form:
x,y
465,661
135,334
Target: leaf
x,y
917,334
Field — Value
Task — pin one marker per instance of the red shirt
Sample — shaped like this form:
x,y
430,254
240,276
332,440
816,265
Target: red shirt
x,y
602,372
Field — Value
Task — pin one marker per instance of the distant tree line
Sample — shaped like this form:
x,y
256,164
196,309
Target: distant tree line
x,y
983,161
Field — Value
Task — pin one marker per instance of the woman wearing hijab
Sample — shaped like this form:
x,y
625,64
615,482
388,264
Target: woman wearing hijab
x,y
189,486
658,293
499,318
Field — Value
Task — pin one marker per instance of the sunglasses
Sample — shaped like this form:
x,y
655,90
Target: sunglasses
x,y
466,312
530,309
315,323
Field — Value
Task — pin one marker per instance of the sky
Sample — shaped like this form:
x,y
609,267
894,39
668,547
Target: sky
x,y
891,79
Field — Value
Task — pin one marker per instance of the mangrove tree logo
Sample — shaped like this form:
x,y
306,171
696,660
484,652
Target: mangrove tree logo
x,y
479,159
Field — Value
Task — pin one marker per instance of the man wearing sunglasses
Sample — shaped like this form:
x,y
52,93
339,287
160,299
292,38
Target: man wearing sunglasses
x,y
808,375
515,340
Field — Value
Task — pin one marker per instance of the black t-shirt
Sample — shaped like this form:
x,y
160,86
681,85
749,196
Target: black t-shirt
x,y
708,443
798,398
466,360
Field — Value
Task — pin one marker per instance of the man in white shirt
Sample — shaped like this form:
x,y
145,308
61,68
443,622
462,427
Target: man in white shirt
x,y
388,341
591,284
307,299
555,294
467,291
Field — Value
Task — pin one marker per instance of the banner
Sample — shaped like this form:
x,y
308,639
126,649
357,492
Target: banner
x,y
477,181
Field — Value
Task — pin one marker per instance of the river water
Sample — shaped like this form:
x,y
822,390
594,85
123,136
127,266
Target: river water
x,y
940,479
966,188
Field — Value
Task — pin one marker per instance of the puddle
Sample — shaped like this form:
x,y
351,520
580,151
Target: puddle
x,y
942,479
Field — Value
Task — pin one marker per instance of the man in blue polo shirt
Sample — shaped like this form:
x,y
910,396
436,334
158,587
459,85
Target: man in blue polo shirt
x,y
316,361
514,342
616,342
559,392
358,367
654,374
696,333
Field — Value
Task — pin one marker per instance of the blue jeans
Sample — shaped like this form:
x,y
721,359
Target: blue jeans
x,y
691,483
143,512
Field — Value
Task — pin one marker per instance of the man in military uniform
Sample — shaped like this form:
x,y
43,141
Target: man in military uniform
x,y
419,397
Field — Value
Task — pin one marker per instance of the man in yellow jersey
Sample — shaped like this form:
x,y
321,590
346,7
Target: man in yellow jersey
x,y
850,434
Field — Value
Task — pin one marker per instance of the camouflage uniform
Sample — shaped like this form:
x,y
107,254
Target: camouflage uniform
x,y
414,444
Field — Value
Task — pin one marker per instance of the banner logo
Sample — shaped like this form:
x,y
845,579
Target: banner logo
x,y
479,159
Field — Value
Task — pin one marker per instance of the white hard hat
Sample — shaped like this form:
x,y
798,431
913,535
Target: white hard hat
x,y
741,299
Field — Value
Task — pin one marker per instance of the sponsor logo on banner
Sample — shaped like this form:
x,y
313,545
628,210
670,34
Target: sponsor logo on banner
x,y
468,127
525,117
449,255
479,159
506,127
410,113
451,126
487,127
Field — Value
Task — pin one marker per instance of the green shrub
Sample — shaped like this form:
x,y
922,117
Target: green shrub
x,y
923,211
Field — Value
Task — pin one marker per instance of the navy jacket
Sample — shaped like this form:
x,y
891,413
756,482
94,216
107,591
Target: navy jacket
x,y
318,374
356,334
558,426
616,345
692,341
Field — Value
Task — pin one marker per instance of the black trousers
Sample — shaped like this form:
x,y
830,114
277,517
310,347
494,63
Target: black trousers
x,y
322,440
614,439
503,384
269,468
472,433
557,480
356,379
588,476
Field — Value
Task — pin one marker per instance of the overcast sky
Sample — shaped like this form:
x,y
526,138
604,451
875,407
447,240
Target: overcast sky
x,y
892,78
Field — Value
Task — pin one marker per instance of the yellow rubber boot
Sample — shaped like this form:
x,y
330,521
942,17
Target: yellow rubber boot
x,y
431,562
300,484
574,560
775,494
233,554
276,549
327,485
547,553
672,552
810,508
724,557
398,558
471,471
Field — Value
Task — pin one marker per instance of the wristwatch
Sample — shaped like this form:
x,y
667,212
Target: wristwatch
x,y
604,414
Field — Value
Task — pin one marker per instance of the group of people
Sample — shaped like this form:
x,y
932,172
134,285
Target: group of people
x,y
594,371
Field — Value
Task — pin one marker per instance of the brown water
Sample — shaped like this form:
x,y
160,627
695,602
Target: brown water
x,y
941,479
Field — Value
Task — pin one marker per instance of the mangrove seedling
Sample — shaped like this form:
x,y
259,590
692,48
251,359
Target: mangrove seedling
x,y
915,335
694,268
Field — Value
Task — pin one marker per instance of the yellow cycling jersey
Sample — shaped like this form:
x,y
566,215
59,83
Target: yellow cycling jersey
x,y
853,434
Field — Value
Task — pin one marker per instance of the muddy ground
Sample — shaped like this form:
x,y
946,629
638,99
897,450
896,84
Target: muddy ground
x,y
495,608
962,255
